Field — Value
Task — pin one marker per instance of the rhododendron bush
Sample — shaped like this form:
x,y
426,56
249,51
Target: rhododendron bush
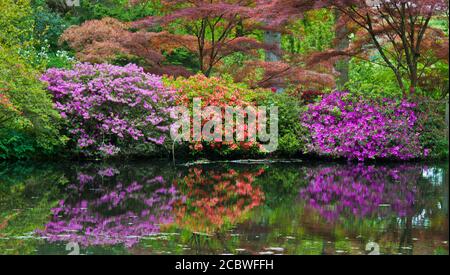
x,y
111,108
342,126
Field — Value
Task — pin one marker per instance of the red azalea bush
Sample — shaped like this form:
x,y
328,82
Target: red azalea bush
x,y
220,92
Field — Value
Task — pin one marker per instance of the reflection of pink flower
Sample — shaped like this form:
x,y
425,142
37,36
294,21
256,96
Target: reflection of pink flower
x,y
108,172
359,190
108,219
83,178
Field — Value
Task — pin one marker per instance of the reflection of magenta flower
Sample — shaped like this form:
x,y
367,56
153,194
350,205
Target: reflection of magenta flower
x,y
121,215
359,190
83,178
108,172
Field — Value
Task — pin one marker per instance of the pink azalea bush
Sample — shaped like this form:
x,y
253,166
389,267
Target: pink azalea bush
x,y
360,129
110,108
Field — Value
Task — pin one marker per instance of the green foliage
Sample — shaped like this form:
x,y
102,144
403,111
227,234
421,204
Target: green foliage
x,y
435,84
36,119
15,145
48,26
315,32
119,9
183,57
59,59
16,24
372,80
291,133
431,116
28,192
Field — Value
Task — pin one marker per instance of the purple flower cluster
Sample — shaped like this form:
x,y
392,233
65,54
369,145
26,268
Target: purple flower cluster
x,y
110,106
361,191
111,217
341,126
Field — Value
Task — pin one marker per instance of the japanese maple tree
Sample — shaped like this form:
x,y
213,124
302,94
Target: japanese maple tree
x,y
400,31
214,24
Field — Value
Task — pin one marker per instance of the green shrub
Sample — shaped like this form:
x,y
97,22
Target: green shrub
x,y
372,80
431,120
34,128
290,131
48,27
16,23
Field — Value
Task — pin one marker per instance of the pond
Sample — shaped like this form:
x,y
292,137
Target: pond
x,y
223,208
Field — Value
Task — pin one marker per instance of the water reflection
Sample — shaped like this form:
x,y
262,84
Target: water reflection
x,y
216,198
362,191
105,209
155,208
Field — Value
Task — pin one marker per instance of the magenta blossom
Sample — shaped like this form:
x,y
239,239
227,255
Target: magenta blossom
x,y
110,107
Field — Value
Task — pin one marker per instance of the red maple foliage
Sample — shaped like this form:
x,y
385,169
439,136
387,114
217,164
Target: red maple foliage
x,y
398,30
99,41
215,30
213,24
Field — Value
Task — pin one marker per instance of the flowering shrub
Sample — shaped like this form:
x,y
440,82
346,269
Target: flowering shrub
x,y
362,129
110,108
219,92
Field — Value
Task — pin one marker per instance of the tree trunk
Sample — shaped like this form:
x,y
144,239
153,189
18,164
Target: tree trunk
x,y
273,38
342,66
447,118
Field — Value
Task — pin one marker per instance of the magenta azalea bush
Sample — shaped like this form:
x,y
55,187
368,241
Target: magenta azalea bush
x,y
359,129
111,108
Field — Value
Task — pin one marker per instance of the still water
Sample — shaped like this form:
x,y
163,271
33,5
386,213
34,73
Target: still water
x,y
223,208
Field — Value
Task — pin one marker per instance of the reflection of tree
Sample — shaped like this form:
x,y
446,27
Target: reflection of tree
x,y
218,212
216,198
370,200
27,193
106,208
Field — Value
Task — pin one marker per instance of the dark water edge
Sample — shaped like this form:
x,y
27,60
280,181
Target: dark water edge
x,y
222,207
